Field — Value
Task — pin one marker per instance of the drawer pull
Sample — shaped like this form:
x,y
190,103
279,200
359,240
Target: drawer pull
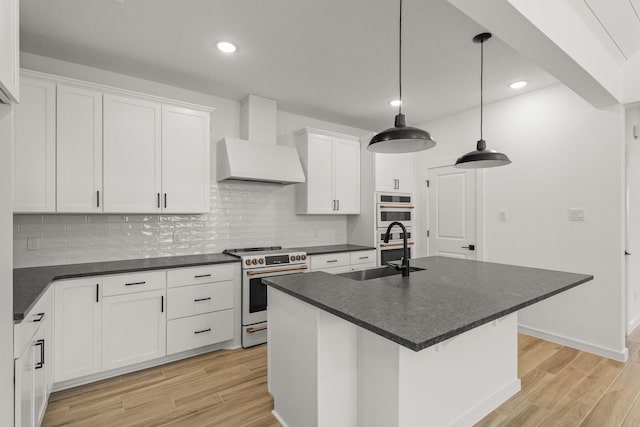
x,y
39,319
364,257
135,283
40,364
332,260
202,331
199,276
202,299
254,330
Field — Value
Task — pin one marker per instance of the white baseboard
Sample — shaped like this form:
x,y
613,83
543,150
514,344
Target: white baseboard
x,y
633,324
488,405
620,356
280,420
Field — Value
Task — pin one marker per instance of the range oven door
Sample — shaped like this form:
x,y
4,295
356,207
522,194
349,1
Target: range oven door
x,y
254,292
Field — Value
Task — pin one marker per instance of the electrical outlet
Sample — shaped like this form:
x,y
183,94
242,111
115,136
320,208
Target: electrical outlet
x,y
502,215
33,243
577,214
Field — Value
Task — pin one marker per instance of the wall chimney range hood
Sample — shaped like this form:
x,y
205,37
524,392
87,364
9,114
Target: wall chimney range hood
x,y
255,156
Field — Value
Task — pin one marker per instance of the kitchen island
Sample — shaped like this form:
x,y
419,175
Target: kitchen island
x,y
437,348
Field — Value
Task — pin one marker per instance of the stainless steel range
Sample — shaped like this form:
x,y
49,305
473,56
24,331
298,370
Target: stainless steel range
x,y
258,263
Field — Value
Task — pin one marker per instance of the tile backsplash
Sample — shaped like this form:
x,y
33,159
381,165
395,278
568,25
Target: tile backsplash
x,y
242,214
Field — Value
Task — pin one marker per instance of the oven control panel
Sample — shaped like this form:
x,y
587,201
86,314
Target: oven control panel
x,y
274,260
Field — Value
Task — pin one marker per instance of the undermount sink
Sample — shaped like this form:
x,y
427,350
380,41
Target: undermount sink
x,y
375,273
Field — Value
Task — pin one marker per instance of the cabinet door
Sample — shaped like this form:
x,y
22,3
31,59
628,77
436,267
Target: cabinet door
x,y
320,175
79,150
77,328
131,155
185,160
40,394
346,160
134,329
9,50
23,394
394,172
35,148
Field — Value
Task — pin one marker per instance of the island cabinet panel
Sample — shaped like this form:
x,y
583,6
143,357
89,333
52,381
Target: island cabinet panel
x,y
35,148
79,150
78,319
132,143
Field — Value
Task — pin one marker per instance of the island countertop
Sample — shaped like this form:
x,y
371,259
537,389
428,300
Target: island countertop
x,y
450,297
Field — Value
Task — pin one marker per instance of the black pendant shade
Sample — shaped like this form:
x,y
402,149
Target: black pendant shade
x,y
482,158
401,138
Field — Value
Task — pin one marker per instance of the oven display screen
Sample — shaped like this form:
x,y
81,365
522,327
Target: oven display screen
x,y
277,259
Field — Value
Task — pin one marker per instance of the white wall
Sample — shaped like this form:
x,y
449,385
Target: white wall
x,y
6,270
633,221
566,154
242,213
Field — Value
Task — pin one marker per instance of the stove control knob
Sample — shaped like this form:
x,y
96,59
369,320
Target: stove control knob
x,y
298,257
254,261
293,258
304,257
248,262
261,261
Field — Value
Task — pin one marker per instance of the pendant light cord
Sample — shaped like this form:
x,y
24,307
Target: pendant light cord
x,y
481,86
400,60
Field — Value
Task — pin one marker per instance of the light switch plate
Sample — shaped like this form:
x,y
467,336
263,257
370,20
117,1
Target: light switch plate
x,y
577,214
503,216
33,243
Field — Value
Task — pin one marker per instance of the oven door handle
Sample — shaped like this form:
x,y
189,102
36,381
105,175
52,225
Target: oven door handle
x,y
385,245
257,273
397,207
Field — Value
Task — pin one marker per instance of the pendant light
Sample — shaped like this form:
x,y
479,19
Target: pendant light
x,y
401,138
482,158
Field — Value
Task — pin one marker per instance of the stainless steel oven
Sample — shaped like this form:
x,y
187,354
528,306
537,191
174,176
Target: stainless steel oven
x,y
394,207
257,265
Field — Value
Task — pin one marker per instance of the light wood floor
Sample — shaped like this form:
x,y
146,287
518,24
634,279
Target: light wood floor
x,y
560,387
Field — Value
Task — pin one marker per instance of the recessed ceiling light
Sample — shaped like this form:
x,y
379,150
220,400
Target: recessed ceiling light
x,y
518,85
395,103
226,47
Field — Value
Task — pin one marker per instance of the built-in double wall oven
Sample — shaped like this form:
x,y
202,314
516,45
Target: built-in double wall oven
x,y
393,208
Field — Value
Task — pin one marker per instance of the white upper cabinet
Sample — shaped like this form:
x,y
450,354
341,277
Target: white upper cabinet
x,y
185,160
10,51
79,150
132,155
332,166
35,148
395,173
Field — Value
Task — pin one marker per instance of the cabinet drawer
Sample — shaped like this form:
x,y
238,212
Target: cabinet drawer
x,y
197,275
363,257
330,261
24,331
199,331
131,283
199,299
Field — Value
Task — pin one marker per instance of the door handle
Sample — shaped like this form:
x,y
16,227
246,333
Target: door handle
x,y
470,247
40,364
338,201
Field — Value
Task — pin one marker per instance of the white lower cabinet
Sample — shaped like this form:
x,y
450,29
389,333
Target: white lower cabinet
x,y
133,328
78,326
344,262
198,331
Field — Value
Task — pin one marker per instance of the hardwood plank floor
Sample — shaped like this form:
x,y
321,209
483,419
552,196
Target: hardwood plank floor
x,y
560,387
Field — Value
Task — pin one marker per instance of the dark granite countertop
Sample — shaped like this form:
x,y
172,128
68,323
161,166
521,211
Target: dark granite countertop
x,y
450,297
30,283
330,249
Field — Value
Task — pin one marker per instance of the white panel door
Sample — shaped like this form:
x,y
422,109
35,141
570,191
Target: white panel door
x,y
320,175
134,329
185,160
35,148
77,328
452,212
394,173
79,150
346,158
131,155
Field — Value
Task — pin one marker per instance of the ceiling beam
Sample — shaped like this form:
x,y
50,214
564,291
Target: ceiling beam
x,y
552,35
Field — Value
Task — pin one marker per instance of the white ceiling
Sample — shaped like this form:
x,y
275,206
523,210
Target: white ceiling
x,y
331,59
